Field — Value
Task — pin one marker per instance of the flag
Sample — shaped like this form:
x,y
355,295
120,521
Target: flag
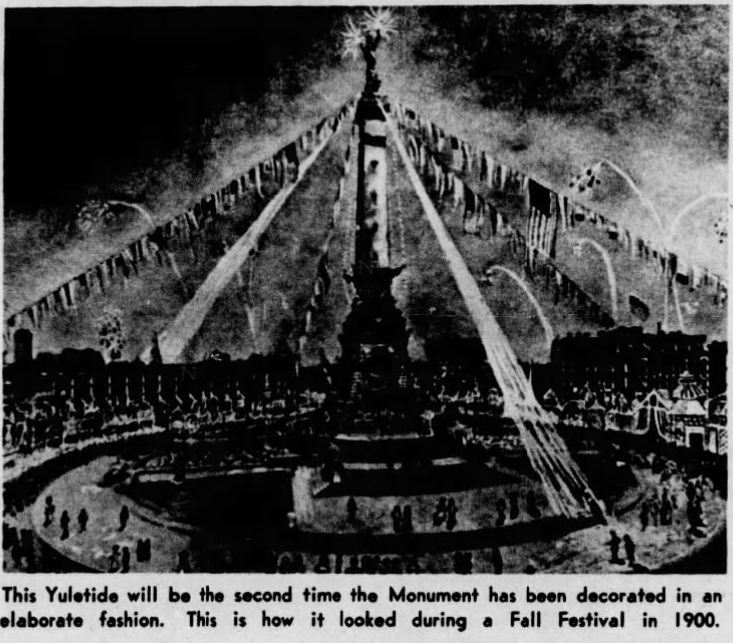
x,y
192,224
100,277
542,219
58,302
68,294
130,260
111,268
503,169
84,285
255,179
121,261
638,308
458,191
469,211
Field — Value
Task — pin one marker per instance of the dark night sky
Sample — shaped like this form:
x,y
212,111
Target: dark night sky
x,y
94,91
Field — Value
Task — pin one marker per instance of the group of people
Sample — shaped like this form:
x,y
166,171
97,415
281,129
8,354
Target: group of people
x,y
532,507
19,541
614,544
446,512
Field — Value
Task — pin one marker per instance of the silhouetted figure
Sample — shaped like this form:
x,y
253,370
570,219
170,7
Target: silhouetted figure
x,y
124,517
351,510
501,512
64,522
691,490
83,519
339,564
298,564
630,549
114,560
353,567
462,562
184,563
125,560
48,511
26,542
532,508
513,505
440,513
654,510
644,515
16,552
323,566
452,521
614,543
497,562
284,566
665,514
397,518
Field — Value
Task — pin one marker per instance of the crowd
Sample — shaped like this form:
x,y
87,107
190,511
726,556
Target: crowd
x,y
73,409
296,563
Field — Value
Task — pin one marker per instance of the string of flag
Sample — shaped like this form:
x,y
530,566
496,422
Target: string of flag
x,y
548,212
536,246
155,246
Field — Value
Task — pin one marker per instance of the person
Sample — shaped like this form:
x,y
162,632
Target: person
x,y
64,522
396,518
298,564
49,511
83,519
339,563
351,510
666,508
440,512
614,543
26,541
16,553
125,560
501,510
184,563
353,567
124,517
513,505
644,515
452,521
654,510
323,565
114,560
630,549
140,550
497,562
284,566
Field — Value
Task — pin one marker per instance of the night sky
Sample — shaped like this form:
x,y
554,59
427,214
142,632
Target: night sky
x,y
89,92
